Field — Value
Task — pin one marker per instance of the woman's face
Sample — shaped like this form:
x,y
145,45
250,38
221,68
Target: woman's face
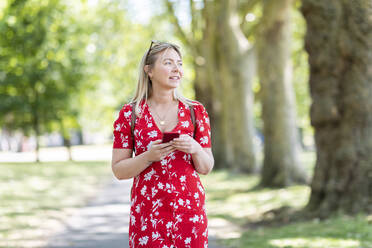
x,y
167,71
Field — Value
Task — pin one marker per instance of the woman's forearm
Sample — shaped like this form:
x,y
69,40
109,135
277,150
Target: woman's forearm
x,y
203,162
130,167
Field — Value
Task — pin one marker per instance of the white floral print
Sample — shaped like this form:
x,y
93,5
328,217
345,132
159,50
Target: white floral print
x,y
167,197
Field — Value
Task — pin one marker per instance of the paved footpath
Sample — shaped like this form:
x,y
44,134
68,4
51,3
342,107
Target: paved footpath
x,y
102,223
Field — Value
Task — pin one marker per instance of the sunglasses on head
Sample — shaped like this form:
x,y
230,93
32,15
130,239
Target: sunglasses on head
x,y
148,52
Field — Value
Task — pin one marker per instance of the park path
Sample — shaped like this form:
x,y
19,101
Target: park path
x,y
103,222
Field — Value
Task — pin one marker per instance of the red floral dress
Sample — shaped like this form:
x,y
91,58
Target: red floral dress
x,y
167,198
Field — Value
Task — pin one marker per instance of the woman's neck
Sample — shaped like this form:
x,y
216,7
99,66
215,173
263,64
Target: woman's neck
x,y
161,99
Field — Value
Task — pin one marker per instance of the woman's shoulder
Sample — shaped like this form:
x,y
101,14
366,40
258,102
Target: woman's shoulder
x,y
131,104
195,102
126,110
198,106
126,106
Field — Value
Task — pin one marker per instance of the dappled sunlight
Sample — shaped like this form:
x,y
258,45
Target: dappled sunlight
x,y
369,218
36,198
234,206
255,204
242,203
223,229
37,183
315,242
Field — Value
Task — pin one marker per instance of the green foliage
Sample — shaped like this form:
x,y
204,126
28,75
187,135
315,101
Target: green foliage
x,y
71,64
115,46
66,64
40,66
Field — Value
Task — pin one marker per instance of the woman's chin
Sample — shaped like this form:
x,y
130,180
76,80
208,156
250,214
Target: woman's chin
x,y
174,83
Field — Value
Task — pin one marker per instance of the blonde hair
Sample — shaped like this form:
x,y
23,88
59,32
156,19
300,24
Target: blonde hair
x,y
144,85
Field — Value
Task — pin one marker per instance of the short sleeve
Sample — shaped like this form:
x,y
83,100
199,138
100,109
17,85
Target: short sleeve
x,y
203,128
122,129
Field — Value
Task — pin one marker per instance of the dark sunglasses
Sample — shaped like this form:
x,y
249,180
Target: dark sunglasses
x,y
148,52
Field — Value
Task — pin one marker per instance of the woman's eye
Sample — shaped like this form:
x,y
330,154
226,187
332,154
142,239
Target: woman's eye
x,y
180,64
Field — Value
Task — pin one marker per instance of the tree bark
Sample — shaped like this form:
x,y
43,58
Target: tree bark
x,y
281,165
339,44
236,69
223,76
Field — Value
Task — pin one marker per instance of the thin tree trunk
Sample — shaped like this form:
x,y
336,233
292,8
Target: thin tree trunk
x,y
281,165
236,72
36,123
66,139
339,43
37,134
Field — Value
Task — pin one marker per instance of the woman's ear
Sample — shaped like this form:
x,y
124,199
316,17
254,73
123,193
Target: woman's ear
x,y
148,70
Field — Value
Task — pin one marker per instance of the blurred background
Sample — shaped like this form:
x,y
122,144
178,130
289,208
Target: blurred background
x,y
286,83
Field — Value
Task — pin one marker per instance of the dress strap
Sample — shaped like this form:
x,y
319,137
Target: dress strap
x,y
133,121
192,112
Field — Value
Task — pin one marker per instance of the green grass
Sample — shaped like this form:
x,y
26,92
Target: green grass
x,y
337,232
235,205
35,198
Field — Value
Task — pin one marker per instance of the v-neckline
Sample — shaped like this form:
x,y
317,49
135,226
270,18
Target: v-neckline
x,y
156,125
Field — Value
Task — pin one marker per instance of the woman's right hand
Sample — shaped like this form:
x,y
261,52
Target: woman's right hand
x,y
158,151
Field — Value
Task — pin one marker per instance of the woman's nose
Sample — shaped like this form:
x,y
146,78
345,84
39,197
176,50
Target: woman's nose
x,y
175,67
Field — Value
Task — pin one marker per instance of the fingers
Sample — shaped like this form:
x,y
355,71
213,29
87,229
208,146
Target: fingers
x,y
179,142
183,143
157,144
183,147
161,150
168,149
165,145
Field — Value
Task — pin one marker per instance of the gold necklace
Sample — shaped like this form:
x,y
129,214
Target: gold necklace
x,y
162,120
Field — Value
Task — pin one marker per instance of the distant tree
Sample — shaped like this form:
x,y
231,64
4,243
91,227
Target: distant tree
x,y
281,165
223,61
39,67
339,44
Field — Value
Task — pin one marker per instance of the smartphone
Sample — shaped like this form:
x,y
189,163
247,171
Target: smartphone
x,y
169,136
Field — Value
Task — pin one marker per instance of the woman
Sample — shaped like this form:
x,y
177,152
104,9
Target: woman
x,y
167,196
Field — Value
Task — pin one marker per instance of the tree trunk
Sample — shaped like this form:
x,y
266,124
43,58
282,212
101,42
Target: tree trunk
x,y
339,43
36,122
37,134
236,72
66,139
281,165
207,84
223,87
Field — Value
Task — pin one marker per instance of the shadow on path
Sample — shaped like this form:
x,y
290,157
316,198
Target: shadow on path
x,y
103,222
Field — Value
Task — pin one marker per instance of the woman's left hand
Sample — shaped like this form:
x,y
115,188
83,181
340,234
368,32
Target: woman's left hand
x,y
186,144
